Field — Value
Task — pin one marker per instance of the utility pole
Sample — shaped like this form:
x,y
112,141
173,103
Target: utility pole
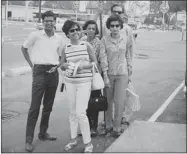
x,y
6,13
101,7
26,10
39,18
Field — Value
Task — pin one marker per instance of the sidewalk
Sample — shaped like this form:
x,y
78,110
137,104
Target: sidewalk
x,y
150,137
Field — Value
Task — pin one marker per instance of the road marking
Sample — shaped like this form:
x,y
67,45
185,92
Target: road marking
x,y
12,36
30,28
16,42
165,104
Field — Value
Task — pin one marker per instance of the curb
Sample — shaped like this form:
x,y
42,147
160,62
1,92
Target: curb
x,y
3,75
18,71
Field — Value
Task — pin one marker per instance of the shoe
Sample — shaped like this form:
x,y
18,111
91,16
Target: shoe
x,y
116,134
124,121
102,124
93,132
29,147
70,145
89,148
46,136
79,134
108,131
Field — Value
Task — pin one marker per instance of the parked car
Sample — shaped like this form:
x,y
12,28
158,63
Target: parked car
x,y
21,19
58,27
133,25
59,24
151,27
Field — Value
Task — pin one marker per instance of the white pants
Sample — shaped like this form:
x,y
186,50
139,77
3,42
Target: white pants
x,y
78,97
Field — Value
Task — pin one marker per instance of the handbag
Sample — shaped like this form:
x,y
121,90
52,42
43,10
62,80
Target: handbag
x,y
97,80
98,103
132,101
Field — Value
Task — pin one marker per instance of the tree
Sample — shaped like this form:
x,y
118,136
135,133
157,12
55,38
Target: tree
x,y
148,20
21,3
34,3
176,6
133,6
155,7
3,2
49,4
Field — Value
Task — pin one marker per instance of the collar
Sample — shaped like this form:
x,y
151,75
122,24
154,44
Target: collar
x,y
115,40
43,33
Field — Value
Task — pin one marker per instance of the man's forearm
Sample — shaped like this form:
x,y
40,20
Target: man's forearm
x,y
27,57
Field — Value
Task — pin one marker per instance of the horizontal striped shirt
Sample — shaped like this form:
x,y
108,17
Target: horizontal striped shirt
x,y
75,54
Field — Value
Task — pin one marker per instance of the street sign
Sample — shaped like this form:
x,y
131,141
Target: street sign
x,y
181,16
164,7
75,4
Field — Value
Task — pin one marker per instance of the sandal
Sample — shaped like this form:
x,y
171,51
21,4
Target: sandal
x,y
89,148
70,145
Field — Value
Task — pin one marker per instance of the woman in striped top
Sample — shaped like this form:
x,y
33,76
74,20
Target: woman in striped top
x,y
77,55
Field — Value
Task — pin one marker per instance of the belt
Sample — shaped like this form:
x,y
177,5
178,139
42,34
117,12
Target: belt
x,y
48,65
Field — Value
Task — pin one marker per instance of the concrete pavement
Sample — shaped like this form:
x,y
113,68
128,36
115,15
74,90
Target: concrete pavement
x,y
151,137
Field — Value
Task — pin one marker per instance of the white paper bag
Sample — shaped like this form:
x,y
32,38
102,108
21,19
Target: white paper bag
x,y
132,101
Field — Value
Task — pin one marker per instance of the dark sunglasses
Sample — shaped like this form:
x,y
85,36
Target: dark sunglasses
x,y
119,12
91,28
73,30
114,26
48,20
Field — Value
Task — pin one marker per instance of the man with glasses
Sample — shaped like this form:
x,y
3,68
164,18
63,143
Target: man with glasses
x,y
45,46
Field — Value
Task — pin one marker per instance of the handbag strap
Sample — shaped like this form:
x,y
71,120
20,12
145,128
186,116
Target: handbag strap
x,y
94,68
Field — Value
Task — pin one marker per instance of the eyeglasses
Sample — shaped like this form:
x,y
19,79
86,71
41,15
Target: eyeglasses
x,y
73,30
119,12
48,21
91,29
114,26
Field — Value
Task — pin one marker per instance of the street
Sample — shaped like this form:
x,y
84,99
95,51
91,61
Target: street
x,y
154,79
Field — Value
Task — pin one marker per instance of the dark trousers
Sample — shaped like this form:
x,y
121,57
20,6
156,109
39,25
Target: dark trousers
x,y
44,86
92,113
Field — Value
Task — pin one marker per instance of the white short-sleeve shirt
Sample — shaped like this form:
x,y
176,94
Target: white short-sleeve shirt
x,y
44,49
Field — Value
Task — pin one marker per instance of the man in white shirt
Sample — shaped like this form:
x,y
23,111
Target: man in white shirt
x,y
45,46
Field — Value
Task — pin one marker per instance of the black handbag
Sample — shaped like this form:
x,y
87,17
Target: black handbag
x,y
98,103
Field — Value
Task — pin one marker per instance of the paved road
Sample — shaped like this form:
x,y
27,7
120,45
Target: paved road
x,y
154,78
